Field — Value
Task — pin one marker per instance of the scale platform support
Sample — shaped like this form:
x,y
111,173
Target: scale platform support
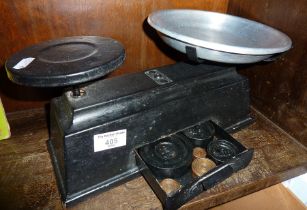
x,y
137,109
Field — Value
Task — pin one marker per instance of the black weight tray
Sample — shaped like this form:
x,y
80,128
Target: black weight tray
x,y
191,185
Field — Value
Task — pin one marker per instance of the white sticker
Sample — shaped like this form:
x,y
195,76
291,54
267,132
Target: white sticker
x,y
110,140
23,63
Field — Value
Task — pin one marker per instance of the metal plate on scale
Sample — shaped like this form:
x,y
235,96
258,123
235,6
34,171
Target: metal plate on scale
x,y
65,61
219,37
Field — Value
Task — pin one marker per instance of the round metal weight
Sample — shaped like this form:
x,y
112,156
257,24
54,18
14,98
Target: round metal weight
x,y
200,135
169,157
221,150
199,152
170,186
200,166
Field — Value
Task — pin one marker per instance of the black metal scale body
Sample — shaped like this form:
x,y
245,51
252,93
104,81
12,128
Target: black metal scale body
x,y
123,113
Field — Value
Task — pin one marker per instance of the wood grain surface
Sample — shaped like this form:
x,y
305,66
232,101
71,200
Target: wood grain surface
x,y
24,23
276,197
27,180
279,88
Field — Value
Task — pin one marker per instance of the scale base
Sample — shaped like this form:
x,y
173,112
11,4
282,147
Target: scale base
x,y
145,107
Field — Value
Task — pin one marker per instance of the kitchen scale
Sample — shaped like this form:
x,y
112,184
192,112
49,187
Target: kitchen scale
x,y
171,124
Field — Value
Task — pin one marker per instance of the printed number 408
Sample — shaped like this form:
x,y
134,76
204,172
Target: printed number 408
x,y
111,141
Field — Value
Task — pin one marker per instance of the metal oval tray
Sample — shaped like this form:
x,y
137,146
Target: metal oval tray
x,y
219,37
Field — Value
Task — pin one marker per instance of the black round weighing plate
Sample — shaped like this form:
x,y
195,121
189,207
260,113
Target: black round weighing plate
x,y
221,150
66,61
169,157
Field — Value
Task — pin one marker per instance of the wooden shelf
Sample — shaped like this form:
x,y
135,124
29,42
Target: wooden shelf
x,y
276,197
27,179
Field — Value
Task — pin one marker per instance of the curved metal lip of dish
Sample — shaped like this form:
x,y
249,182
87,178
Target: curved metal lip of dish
x,y
159,21
214,55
